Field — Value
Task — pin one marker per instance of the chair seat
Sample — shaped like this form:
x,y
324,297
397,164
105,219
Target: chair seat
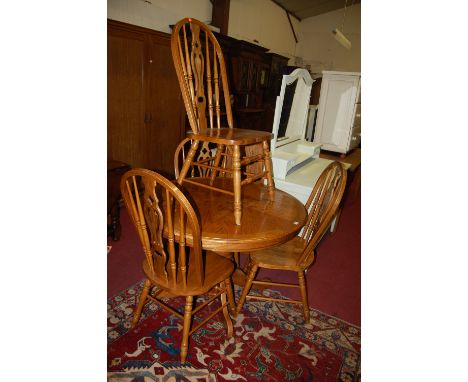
x,y
231,136
217,269
284,256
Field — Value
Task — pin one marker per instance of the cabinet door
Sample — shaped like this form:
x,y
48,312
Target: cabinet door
x,y
164,106
336,111
240,74
145,110
253,76
125,96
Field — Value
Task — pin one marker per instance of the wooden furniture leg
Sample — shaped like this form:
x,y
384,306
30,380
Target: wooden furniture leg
x,y
186,329
230,295
227,317
303,288
141,303
247,286
268,167
219,153
236,259
236,164
188,161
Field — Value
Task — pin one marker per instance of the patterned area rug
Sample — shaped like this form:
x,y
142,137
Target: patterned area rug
x,y
270,343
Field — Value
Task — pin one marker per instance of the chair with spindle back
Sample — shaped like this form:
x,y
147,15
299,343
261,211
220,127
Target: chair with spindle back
x,y
169,232
201,72
298,254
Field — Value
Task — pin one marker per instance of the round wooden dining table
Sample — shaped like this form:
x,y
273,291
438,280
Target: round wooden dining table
x,y
268,219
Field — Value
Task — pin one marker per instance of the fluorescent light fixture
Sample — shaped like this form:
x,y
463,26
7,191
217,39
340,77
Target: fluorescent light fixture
x,y
341,38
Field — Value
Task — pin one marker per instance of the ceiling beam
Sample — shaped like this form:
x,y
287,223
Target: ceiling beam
x,y
220,15
288,12
292,28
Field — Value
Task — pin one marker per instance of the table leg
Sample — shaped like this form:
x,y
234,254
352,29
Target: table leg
x,y
239,277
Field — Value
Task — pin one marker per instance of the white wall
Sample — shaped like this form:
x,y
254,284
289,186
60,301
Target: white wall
x,y
261,22
319,49
264,23
258,21
158,14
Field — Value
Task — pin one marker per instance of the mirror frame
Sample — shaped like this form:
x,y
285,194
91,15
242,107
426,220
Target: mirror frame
x,y
299,108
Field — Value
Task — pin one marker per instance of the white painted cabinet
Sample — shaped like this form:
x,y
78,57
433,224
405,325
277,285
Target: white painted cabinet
x,y
338,126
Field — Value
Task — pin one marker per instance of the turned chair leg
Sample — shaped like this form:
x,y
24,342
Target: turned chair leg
x,y
230,296
188,161
219,152
141,303
227,317
247,286
186,329
305,302
268,167
236,176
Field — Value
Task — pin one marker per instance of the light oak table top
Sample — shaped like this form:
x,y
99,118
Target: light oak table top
x,y
267,220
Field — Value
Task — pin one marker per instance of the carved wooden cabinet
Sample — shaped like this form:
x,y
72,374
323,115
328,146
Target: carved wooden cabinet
x,y
249,77
145,112
249,74
276,65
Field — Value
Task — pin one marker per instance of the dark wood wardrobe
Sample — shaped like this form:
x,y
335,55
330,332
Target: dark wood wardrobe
x,y
146,117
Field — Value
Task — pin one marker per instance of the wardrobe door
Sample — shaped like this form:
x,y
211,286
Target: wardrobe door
x,y
164,105
126,52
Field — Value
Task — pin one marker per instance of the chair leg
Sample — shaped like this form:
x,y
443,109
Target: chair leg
x,y
247,286
188,161
227,317
219,152
230,295
186,329
236,167
305,303
268,166
247,264
236,258
141,302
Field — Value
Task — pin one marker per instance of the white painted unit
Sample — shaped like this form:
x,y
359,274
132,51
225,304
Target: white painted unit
x,y
296,161
338,126
289,147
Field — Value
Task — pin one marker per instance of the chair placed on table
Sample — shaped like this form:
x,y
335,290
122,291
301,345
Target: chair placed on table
x,y
194,172
201,71
298,254
169,231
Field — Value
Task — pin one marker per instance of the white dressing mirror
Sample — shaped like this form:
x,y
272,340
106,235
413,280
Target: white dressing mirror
x,y
292,106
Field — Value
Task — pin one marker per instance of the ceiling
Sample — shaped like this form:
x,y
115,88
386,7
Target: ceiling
x,y
301,9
